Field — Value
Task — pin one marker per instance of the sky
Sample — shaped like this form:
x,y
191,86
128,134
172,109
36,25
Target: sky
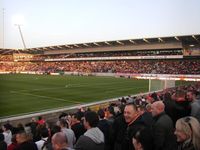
x,y
59,22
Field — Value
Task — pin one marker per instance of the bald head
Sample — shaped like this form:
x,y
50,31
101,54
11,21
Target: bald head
x,y
157,108
59,141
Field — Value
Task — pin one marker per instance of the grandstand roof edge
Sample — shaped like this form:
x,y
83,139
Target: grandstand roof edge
x,y
99,43
124,40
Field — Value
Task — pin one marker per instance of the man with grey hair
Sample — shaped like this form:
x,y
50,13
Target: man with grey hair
x,y
163,129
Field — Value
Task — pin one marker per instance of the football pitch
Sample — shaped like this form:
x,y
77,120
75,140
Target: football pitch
x,y
21,94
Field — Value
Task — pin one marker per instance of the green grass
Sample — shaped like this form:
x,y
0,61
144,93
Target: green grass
x,y
21,94
31,93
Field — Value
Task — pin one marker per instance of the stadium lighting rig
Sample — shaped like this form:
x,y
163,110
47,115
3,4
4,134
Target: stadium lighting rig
x,y
20,31
18,20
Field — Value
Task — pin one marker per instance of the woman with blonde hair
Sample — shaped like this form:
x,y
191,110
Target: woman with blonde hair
x,y
188,133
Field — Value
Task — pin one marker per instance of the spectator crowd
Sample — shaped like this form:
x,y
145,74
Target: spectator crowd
x,y
165,120
131,66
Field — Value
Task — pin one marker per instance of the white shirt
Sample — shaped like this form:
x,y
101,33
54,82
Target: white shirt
x,y
7,137
40,143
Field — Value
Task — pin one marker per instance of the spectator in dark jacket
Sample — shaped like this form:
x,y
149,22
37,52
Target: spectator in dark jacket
x,y
170,106
182,106
146,116
143,139
105,127
93,138
77,125
3,145
25,142
119,130
163,128
134,122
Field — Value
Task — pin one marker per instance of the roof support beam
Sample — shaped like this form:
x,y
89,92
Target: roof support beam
x,y
177,38
67,46
96,44
86,45
160,40
146,40
107,43
51,47
194,37
132,41
120,42
59,47
76,45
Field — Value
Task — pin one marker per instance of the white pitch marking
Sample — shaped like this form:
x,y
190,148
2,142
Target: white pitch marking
x,y
58,99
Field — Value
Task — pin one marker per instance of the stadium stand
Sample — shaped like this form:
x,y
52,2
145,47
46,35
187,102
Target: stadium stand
x,y
172,109
138,66
167,55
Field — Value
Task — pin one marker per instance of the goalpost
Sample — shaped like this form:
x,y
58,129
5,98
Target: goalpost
x,y
162,81
155,84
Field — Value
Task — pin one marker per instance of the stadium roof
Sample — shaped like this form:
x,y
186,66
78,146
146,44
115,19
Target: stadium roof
x,y
188,40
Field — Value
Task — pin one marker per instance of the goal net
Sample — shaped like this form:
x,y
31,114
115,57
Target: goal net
x,y
155,85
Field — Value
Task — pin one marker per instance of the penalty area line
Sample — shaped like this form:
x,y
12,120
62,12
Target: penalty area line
x,y
47,97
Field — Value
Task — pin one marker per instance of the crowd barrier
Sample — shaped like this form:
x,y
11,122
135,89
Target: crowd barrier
x,y
53,114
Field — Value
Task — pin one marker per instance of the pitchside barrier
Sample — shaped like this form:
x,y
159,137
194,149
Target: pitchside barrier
x,y
156,82
53,114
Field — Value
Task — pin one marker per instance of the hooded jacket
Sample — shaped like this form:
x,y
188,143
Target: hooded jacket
x,y
93,139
